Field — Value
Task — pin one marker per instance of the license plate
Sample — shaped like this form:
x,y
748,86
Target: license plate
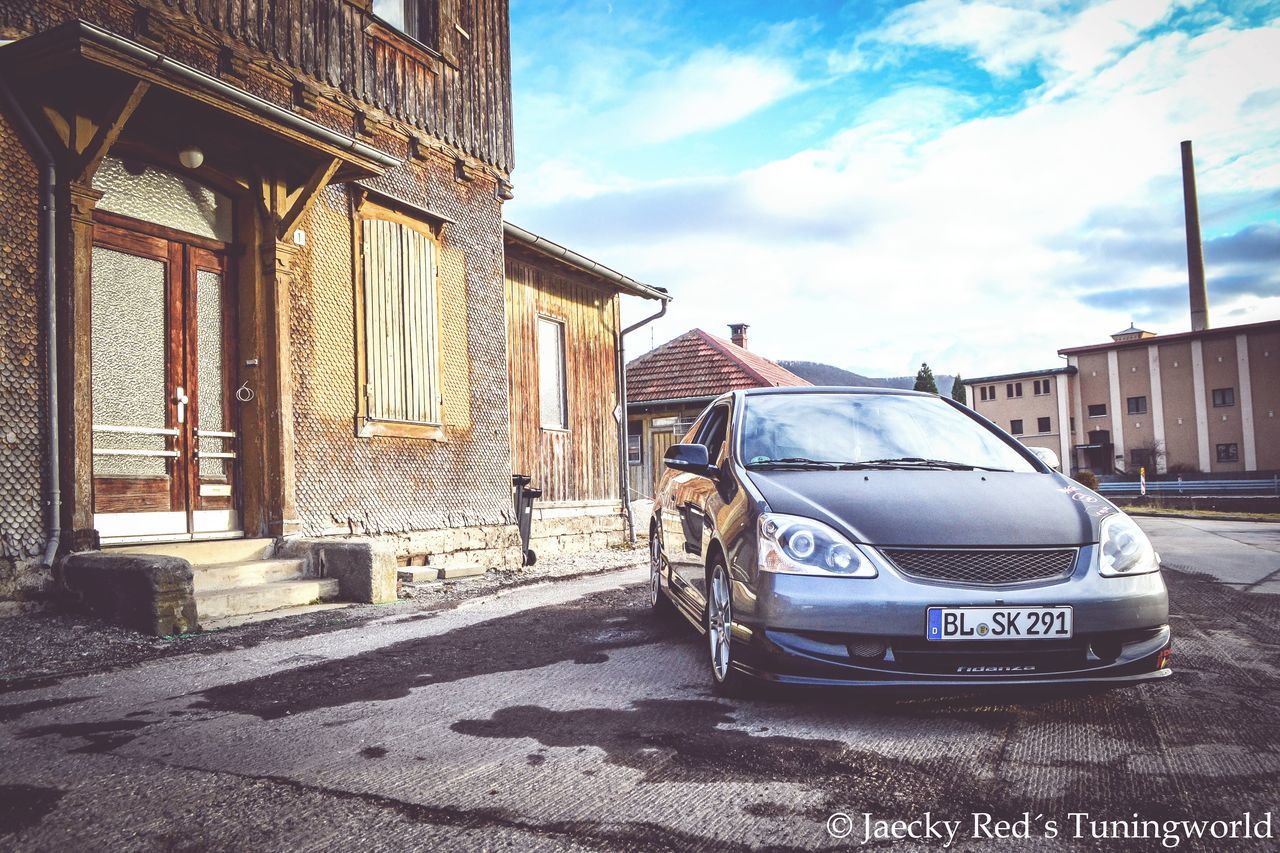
x,y
999,623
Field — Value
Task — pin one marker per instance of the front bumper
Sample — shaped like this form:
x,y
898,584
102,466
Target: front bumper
x,y
853,660
862,632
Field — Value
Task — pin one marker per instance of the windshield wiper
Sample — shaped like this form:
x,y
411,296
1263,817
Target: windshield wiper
x,y
920,462
794,462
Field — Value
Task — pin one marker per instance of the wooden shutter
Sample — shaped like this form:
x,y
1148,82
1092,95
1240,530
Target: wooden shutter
x,y
401,353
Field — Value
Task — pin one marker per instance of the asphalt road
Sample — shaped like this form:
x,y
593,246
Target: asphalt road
x,y
564,716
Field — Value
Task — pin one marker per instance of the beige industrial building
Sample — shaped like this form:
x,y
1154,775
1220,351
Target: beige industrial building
x,y
1203,401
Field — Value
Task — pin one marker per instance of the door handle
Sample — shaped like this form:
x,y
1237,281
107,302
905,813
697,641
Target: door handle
x,y
180,397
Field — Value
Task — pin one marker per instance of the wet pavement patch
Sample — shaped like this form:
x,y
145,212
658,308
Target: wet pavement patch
x,y
102,736
8,713
577,631
24,806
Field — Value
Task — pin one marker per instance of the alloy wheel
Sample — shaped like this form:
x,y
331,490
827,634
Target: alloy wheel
x,y
719,622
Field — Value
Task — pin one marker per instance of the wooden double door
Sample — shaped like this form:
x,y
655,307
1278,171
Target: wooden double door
x,y
164,396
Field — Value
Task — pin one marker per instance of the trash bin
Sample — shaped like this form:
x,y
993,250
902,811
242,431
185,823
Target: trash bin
x,y
524,498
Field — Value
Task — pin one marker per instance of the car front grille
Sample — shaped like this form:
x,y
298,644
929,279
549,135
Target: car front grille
x,y
984,567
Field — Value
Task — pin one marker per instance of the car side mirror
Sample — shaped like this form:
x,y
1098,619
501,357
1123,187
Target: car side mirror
x,y
690,458
1046,456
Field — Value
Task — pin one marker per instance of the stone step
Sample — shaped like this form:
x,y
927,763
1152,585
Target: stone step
x,y
249,573
224,622
206,552
236,601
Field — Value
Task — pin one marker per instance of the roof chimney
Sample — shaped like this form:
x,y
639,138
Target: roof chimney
x,y
738,334
1195,251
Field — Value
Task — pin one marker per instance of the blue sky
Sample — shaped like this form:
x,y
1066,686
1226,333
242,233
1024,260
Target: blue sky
x,y
974,184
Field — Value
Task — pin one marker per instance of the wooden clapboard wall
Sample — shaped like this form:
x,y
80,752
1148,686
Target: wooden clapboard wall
x,y
581,462
459,91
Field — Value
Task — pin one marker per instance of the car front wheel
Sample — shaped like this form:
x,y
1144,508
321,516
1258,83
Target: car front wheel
x,y
726,680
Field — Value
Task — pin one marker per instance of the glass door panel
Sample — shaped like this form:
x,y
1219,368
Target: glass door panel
x,y
135,444
214,439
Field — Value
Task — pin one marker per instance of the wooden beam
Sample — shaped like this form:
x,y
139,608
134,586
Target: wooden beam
x,y
109,132
318,181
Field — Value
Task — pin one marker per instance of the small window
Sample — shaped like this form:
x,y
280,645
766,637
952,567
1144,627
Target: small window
x,y
1098,410
1228,453
982,393
401,355
551,396
1224,397
1041,387
1042,424
1013,389
401,14
1015,427
635,449
1137,405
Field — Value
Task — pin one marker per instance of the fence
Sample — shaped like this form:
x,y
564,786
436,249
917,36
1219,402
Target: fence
x,y
1250,488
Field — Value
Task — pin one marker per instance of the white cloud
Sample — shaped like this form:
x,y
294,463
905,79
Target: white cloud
x,y
1007,37
713,88
965,243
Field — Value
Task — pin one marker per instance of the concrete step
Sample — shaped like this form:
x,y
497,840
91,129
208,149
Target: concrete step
x,y
221,624
250,573
207,552
236,601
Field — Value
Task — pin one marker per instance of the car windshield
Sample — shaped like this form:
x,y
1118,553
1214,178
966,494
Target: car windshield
x,y
874,429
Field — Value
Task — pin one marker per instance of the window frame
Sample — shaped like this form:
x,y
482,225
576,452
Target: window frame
x,y
560,323
636,438
1016,426
367,425
1093,406
1132,409
1233,454
1226,393
1044,425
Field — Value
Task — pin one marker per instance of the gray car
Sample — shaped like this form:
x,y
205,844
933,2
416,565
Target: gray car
x,y
867,536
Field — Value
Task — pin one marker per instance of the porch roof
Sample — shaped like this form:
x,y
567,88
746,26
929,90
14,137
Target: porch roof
x,y
74,55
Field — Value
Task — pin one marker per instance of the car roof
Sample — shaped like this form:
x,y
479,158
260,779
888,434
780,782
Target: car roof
x,y
833,389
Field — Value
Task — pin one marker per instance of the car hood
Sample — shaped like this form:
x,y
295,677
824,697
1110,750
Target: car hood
x,y
940,508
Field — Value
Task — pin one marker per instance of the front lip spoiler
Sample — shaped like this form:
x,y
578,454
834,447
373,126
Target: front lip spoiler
x,y
944,682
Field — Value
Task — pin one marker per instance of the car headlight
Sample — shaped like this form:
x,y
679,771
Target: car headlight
x,y
1125,549
801,546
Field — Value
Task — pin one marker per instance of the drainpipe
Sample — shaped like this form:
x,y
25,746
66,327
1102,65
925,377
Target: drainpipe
x,y
48,179
624,474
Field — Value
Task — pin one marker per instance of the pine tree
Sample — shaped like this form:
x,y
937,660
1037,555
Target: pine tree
x,y
958,393
924,380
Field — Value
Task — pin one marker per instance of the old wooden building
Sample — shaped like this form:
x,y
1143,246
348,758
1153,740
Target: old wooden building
x,y
253,291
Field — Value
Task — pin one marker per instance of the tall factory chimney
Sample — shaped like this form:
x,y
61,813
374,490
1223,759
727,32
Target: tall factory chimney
x,y
1195,251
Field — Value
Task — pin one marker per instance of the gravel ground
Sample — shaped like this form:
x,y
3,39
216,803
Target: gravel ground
x,y
44,646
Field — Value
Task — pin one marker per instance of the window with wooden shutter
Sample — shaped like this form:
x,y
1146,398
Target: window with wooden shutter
x,y
401,346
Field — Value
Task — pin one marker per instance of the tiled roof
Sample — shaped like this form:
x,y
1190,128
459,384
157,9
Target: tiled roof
x,y
700,365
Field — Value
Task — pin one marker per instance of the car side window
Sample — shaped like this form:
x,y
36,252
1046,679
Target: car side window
x,y
713,431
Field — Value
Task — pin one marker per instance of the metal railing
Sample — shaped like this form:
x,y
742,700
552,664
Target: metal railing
x,y
1258,487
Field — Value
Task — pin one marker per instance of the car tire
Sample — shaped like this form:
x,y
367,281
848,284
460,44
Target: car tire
x,y
718,621
658,602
